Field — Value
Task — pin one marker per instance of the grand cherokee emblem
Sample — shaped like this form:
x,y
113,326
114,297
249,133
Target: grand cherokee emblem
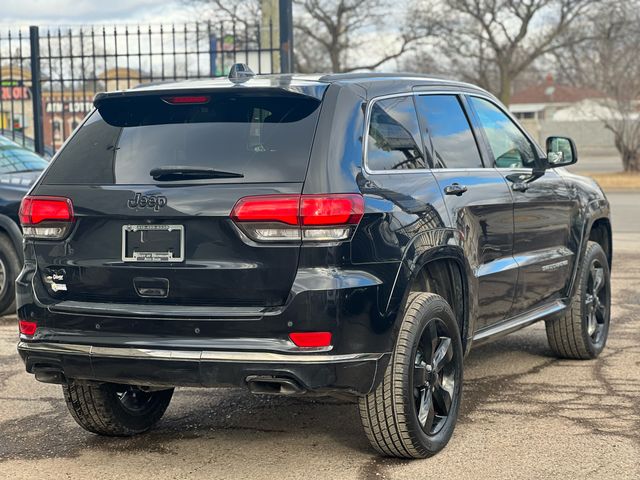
x,y
147,201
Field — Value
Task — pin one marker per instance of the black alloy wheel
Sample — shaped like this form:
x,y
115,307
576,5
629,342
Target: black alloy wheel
x,y
133,399
581,331
412,413
597,301
434,377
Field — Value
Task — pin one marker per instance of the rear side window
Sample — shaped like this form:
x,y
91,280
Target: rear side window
x,y
260,136
394,136
446,124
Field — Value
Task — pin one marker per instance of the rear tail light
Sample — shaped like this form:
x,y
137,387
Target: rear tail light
x,y
27,328
311,339
310,218
46,217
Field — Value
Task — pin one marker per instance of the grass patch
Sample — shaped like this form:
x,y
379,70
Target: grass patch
x,y
617,181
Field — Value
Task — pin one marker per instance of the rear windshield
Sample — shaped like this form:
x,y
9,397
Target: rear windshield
x,y
257,137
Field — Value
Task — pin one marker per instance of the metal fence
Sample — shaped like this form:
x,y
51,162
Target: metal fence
x,y
49,76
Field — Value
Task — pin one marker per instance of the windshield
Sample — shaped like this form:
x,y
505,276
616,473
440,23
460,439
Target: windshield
x,y
257,136
15,159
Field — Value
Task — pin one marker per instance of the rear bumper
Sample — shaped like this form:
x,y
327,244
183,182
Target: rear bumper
x,y
181,345
355,373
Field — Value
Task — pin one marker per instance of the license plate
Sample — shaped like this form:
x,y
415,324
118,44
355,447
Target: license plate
x,y
152,243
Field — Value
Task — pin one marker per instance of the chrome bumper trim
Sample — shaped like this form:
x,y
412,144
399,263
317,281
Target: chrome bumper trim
x,y
162,311
193,355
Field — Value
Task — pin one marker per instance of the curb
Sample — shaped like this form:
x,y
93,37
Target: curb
x,y
621,190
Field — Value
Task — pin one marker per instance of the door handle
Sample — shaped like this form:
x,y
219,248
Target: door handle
x,y
455,189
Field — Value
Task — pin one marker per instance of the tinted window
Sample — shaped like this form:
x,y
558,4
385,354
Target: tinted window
x,y
394,136
14,158
446,124
510,147
266,137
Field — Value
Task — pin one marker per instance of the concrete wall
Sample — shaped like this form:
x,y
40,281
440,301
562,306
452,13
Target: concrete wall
x,y
590,136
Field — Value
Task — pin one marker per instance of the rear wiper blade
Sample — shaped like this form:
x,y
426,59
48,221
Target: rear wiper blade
x,y
180,172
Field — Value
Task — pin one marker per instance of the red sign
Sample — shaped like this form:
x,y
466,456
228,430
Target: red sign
x,y
14,93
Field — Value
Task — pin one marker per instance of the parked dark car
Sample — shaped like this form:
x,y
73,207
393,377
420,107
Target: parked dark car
x,y
27,142
19,169
350,234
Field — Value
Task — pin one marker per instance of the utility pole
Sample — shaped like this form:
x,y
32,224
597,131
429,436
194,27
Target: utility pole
x,y
286,36
36,90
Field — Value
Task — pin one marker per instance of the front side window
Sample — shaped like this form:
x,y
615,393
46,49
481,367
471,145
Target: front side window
x,y
510,147
394,136
446,124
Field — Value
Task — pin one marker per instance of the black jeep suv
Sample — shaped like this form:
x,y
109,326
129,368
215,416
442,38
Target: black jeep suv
x,y
343,234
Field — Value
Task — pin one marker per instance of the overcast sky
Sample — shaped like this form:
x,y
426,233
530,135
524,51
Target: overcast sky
x,y
54,13
66,12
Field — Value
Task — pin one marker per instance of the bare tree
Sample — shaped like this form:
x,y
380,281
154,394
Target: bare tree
x,y
611,65
492,42
221,10
331,35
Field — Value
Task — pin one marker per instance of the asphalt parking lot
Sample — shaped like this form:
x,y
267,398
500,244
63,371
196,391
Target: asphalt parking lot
x,y
525,415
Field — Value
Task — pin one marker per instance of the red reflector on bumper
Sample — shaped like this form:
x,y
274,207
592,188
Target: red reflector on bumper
x,y
27,328
311,339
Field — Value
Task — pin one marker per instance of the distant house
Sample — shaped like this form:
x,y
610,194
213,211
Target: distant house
x,y
121,78
555,109
15,99
542,102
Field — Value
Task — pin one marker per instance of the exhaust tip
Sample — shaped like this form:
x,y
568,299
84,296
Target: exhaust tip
x,y
47,375
269,385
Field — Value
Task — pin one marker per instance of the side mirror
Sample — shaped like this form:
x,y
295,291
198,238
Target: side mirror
x,y
561,151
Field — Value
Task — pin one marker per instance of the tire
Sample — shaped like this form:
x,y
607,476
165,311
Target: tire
x,y
390,414
9,270
100,409
575,335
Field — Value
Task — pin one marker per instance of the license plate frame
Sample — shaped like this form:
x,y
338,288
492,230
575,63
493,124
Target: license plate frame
x,y
156,255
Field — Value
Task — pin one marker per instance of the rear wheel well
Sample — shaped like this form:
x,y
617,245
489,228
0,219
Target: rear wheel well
x,y
4,233
444,277
601,234
11,231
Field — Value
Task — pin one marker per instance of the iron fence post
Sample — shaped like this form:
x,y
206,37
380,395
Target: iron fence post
x,y
36,90
286,36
